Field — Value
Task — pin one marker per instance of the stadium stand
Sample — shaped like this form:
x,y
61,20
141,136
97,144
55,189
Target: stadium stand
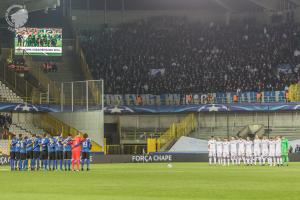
x,y
292,133
7,95
49,67
5,120
27,127
4,146
67,68
18,130
140,135
172,55
14,127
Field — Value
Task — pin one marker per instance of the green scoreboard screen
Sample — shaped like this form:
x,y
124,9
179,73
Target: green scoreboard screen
x,y
38,41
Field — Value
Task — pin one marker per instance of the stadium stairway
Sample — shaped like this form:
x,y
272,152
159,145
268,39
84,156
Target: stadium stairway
x,y
7,95
68,70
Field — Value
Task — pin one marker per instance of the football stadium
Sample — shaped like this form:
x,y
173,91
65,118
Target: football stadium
x,y
149,99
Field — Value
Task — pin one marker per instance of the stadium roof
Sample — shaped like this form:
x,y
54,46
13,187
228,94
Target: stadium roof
x,y
229,5
31,5
243,5
213,5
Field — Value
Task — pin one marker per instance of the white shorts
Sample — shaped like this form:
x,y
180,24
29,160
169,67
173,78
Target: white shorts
x,y
241,153
212,154
226,154
265,153
272,154
278,153
257,152
233,154
219,154
248,153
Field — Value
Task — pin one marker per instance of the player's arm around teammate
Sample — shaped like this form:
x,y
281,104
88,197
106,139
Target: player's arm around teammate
x,y
85,152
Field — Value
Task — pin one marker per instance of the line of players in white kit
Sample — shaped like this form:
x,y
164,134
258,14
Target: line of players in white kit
x,y
264,151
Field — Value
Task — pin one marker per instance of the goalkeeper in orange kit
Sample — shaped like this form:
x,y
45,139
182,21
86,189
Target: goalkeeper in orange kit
x,y
76,150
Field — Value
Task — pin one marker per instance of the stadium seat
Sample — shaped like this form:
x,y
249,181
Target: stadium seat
x,y
7,95
193,58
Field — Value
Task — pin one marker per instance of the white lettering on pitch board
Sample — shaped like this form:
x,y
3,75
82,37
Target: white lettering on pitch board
x,y
152,158
4,160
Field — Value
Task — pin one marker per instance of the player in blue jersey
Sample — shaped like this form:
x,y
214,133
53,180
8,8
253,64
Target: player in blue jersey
x,y
17,153
51,153
36,153
23,156
13,145
67,152
59,153
44,152
85,152
29,152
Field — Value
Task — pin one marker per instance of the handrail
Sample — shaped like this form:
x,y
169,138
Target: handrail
x,y
126,149
176,130
294,92
86,70
54,91
54,126
18,84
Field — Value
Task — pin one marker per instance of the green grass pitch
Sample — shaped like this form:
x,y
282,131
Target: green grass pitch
x,y
154,181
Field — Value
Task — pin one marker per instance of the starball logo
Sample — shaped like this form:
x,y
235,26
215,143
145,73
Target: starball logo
x,y
16,17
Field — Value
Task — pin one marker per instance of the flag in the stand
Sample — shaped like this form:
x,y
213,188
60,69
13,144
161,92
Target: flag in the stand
x,y
285,69
157,72
296,53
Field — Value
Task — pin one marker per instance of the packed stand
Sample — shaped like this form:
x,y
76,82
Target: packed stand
x,y
172,55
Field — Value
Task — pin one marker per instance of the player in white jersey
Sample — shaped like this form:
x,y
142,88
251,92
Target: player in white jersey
x,y
212,150
226,156
257,150
241,150
272,152
219,145
233,151
249,151
264,149
278,151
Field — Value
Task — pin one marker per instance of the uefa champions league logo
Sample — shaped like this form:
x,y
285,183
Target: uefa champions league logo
x,y
26,108
16,16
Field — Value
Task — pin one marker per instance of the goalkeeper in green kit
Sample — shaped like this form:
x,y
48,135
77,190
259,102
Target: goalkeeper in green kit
x,y
285,150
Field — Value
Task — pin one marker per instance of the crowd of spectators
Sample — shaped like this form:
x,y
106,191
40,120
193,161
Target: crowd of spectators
x,y
172,55
18,64
49,67
5,122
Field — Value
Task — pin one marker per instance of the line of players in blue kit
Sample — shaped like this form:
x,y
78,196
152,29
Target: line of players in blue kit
x,y
47,153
